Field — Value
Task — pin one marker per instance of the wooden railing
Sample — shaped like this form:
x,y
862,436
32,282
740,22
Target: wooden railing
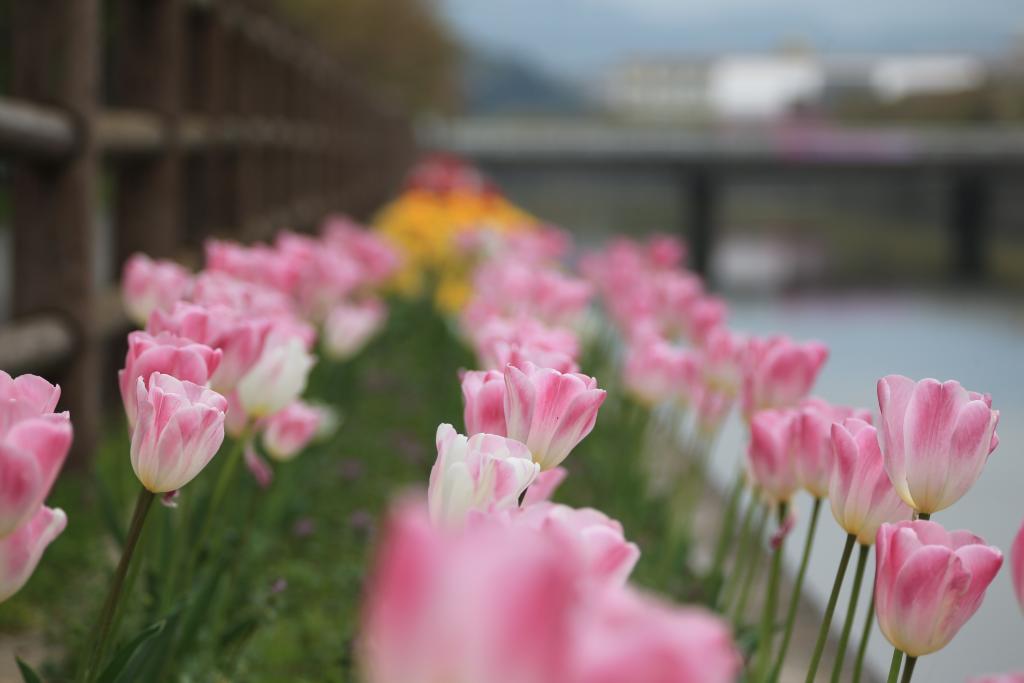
x,y
196,118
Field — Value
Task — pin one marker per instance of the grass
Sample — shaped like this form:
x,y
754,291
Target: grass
x,y
286,603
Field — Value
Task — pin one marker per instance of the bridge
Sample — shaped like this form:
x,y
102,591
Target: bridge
x,y
705,160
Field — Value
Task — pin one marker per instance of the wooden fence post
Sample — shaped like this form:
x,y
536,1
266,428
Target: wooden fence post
x,y
56,60
149,76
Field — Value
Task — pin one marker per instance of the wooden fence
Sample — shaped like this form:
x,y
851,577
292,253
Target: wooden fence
x,y
194,118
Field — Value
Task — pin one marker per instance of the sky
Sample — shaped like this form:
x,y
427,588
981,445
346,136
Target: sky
x,y
577,38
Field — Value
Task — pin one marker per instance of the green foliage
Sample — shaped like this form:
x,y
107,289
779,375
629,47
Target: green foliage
x,y
276,595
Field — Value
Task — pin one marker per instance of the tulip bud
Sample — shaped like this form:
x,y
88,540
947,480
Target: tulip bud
x,y
929,582
483,392
482,472
860,492
936,438
812,442
550,411
778,372
148,285
289,431
278,377
21,551
770,455
350,326
657,371
180,428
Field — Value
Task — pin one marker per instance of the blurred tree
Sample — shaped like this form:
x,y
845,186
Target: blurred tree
x,y
401,46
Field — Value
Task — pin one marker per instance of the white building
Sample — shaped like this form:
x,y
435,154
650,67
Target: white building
x,y
764,87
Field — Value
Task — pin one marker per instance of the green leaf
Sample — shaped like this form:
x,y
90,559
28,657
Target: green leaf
x,y
131,653
28,675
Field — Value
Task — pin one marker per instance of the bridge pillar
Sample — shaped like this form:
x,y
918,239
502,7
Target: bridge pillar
x,y
969,215
701,195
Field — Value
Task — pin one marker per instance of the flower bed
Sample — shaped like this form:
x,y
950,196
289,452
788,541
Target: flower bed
x,y
343,453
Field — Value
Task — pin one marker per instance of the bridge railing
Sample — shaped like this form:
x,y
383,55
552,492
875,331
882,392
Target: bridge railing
x,y
193,118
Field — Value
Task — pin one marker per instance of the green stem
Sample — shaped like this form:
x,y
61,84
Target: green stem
x,y
926,516
725,534
894,667
826,622
767,629
725,597
750,568
104,631
851,612
908,670
220,489
794,600
862,650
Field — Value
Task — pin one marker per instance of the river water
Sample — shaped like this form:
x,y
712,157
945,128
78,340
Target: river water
x,y
974,338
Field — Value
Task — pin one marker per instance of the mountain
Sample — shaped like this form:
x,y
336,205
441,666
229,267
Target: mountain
x,y
493,84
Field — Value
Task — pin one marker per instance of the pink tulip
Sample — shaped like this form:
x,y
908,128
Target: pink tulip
x,y
277,378
936,438
33,447
500,341
26,396
705,314
350,326
180,428
213,288
770,456
288,431
546,244
657,372
377,259
239,337
665,251
711,408
483,392
608,557
148,285
929,582
625,635
483,472
164,353
1017,565
512,288
778,372
550,411
21,550
494,603
255,263
544,486
721,358
812,441
861,494
501,353
1000,678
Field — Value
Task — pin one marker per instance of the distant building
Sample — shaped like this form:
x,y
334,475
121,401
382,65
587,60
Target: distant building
x,y
659,89
764,87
